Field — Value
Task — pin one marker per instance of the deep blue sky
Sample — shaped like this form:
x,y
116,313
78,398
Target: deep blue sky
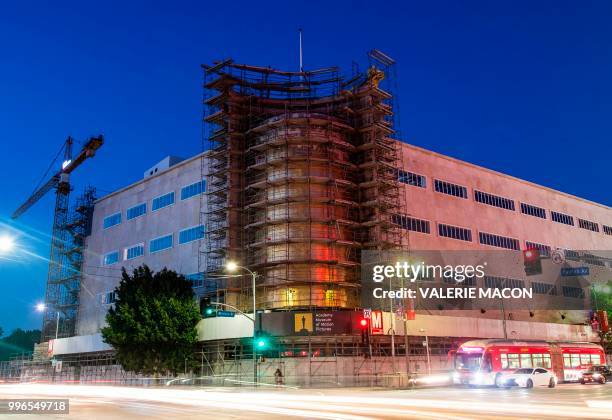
x,y
522,88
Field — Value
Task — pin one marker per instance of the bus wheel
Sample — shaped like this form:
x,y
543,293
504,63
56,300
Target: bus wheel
x,y
552,383
498,381
529,384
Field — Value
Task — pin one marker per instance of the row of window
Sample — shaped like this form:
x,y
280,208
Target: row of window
x,y
525,360
460,191
157,203
155,245
577,360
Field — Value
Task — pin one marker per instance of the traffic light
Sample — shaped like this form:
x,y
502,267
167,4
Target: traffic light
x,y
532,262
261,343
207,309
364,326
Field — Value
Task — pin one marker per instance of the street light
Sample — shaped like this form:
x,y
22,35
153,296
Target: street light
x,y
40,307
7,243
232,266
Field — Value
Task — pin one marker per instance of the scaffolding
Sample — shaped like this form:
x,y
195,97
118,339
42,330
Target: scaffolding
x,y
70,228
301,176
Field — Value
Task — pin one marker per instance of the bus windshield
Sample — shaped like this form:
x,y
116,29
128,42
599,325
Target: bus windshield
x,y
468,361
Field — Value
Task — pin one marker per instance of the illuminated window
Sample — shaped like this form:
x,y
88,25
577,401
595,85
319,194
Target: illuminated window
x,y
595,359
291,297
330,297
526,361
504,360
513,361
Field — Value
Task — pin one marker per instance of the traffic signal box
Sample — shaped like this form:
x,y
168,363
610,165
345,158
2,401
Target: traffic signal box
x,y
532,261
207,309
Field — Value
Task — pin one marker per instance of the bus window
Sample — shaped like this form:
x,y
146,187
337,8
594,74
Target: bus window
x,y
526,361
504,360
547,363
575,360
566,361
513,361
585,359
595,359
486,364
537,360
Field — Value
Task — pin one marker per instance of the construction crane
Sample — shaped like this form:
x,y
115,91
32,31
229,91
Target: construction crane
x,y
63,281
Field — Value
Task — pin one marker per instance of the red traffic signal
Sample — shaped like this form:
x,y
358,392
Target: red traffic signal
x,y
530,255
363,323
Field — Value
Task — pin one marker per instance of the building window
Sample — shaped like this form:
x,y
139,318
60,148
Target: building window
x,y
573,292
108,298
411,178
196,279
530,210
191,234
163,201
498,241
192,190
588,225
562,218
136,211
544,288
450,189
494,200
455,232
110,258
134,252
607,229
112,220
161,243
492,282
410,223
544,249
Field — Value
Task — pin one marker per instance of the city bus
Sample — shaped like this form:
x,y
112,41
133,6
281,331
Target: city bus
x,y
482,362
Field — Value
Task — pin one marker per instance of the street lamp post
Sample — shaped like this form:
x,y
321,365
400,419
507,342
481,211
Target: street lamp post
x,y
427,348
231,266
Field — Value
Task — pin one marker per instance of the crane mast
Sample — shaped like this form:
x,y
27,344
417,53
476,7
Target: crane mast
x,y
67,240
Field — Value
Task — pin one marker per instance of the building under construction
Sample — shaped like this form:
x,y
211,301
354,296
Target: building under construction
x,y
302,176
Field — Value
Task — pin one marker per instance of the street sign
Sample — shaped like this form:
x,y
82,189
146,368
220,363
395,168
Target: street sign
x,y
367,313
574,271
376,325
226,314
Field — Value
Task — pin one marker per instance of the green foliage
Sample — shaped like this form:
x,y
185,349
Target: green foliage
x,y
152,324
19,341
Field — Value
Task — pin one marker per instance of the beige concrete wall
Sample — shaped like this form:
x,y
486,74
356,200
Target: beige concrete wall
x,y
425,203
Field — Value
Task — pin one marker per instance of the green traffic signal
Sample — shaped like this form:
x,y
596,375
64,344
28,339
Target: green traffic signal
x,y
209,311
261,343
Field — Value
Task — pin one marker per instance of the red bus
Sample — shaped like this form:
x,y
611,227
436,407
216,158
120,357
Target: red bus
x,y
481,362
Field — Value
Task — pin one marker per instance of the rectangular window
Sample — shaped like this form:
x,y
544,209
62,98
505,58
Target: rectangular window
x,y
108,298
111,258
573,292
192,190
544,288
562,218
498,241
450,189
575,358
136,211
410,223
134,252
112,220
161,243
455,232
534,211
163,201
492,282
547,362
595,359
196,279
513,361
607,229
544,249
411,178
504,360
538,360
588,225
191,234
494,200
526,361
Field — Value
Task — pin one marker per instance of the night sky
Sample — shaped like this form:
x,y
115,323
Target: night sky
x,y
520,87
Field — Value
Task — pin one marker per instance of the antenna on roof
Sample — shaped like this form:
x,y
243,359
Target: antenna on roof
x,y
301,64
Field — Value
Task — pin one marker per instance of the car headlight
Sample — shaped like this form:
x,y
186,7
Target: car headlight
x,y
456,376
478,377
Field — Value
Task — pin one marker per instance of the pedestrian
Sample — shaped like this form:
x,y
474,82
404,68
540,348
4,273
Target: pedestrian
x,y
278,376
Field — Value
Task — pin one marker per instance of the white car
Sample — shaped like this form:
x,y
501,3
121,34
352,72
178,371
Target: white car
x,y
528,378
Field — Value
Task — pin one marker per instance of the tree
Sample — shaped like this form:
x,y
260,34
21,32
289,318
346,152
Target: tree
x,y
19,341
152,325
